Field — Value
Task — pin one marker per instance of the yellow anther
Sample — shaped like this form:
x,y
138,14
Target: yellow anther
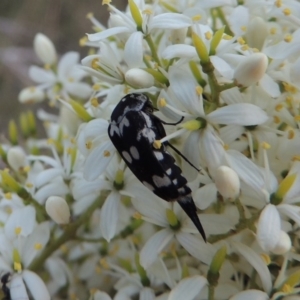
x,y
245,48
278,3
38,246
89,145
266,258
95,63
297,118
104,263
17,266
162,102
26,169
241,41
96,87
94,102
89,15
273,30
296,158
98,270
64,249
208,35
83,41
196,18
114,250
199,90
50,142
106,2
18,230
47,66
135,239
29,185
243,28
156,144
8,196
265,145
278,107
288,38
276,120
137,215
106,153
291,134
226,146
148,12
286,288
287,11
227,37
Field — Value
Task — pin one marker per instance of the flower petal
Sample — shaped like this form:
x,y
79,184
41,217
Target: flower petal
x,y
188,288
35,285
109,215
268,228
257,263
154,246
245,114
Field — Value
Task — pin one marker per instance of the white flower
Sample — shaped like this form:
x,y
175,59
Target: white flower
x,y
251,69
155,211
66,82
57,208
227,182
44,49
21,242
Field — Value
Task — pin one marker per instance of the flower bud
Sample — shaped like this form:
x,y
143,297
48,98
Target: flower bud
x,y
227,182
31,95
80,111
136,14
172,218
283,245
139,78
215,266
200,48
16,158
257,32
57,208
44,49
9,182
251,69
13,132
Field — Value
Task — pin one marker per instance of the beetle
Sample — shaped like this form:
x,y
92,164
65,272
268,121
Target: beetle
x,y
5,289
133,130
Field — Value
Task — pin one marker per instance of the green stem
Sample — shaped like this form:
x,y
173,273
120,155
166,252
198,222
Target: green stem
x,y
69,234
208,69
211,292
152,48
241,209
242,225
224,21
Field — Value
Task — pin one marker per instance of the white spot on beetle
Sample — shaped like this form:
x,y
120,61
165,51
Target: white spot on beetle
x,y
161,181
158,155
134,152
127,156
114,129
175,181
148,185
169,171
147,119
124,122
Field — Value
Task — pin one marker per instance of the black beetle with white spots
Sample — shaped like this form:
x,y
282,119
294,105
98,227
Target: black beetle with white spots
x,y
133,130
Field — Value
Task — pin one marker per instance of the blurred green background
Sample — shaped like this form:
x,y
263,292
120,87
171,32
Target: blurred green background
x,y
63,21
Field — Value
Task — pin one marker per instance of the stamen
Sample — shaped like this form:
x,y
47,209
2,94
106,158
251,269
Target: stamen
x,y
173,135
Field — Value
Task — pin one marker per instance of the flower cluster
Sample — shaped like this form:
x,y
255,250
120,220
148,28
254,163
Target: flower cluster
x,y
77,224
